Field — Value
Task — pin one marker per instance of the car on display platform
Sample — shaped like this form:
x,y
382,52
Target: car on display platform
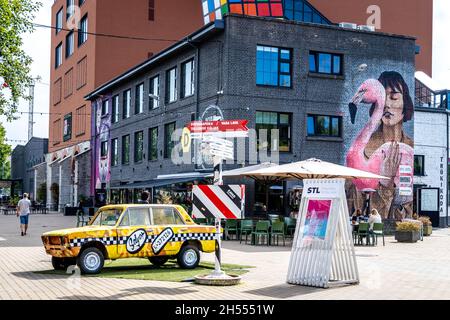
x,y
153,231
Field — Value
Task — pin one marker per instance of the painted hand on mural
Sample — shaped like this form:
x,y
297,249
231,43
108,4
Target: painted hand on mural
x,y
391,162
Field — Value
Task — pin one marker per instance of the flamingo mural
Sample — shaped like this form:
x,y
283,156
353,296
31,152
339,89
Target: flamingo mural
x,y
392,158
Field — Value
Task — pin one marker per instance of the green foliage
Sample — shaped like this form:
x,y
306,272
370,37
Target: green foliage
x,y
5,152
407,226
14,200
16,17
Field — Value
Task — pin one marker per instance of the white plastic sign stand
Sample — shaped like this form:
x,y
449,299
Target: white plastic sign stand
x,y
322,253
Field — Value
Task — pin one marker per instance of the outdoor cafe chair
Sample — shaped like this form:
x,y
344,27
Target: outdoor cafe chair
x,y
246,228
277,231
290,224
261,230
231,225
378,231
363,232
82,217
274,218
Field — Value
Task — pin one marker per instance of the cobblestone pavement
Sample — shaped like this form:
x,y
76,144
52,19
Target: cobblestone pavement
x,y
396,271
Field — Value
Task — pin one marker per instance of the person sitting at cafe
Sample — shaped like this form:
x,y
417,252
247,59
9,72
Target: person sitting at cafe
x,y
357,216
374,218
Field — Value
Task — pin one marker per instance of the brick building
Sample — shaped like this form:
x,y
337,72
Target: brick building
x,y
292,76
92,41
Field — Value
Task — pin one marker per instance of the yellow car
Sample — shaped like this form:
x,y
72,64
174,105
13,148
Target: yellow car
x,y
156,232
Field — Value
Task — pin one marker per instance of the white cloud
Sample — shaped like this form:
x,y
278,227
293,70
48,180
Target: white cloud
x,y
37,45
441,43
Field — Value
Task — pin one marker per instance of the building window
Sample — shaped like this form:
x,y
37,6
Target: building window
x,y
68,83
67,133
114,152
299,10
168,143
151,10
104,149
138,146
56,132
326,63
126,104
69,44
105,107
126,149
80,120
153,143
154,93
187,79
70,8
171,85
273,66
419,165
82,30
59,20
115,109
324,126
274,121
58,55
139,99
82,73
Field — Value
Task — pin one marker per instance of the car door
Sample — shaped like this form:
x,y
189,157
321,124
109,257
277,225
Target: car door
x,y
134,233
168,227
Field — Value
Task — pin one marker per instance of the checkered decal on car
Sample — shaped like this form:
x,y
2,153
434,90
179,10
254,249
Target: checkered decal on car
x,y
108,241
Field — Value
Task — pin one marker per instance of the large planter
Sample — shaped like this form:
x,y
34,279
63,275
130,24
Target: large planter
x,y
407,236
427,230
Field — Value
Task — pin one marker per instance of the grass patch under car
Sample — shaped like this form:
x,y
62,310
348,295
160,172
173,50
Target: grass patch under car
x,y
142,269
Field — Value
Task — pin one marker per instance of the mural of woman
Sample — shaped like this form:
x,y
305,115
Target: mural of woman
x,y
382,146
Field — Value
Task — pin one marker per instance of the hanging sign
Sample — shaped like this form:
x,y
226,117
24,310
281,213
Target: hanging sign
x,y
218,128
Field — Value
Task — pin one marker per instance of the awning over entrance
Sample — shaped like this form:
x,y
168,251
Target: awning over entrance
x,y
154,183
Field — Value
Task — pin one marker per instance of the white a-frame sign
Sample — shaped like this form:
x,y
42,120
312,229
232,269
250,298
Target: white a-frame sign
x,y
322,252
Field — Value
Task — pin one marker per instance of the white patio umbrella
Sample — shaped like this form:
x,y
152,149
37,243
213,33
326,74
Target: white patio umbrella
x,y
312,169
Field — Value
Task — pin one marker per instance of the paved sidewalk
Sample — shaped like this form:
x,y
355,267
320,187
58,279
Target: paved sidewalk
x,y
396,271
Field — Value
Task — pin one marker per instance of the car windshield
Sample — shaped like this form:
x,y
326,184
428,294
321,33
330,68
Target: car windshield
x,y
107,217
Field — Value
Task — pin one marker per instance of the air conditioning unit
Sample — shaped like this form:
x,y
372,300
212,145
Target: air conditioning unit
x,y
366,28
348,25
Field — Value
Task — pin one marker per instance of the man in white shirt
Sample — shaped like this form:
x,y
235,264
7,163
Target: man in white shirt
x,y
23,211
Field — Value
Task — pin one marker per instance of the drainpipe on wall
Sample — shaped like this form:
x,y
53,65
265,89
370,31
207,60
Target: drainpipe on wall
x,y
448,132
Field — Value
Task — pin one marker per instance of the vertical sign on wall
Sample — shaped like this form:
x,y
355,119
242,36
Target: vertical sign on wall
x,y
322,252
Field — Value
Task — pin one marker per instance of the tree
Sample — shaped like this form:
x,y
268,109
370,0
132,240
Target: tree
x,y
5,153
16,18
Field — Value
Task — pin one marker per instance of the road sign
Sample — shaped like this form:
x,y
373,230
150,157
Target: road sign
x,y
222,154
225,202
218,126
219,134
186,140
218,141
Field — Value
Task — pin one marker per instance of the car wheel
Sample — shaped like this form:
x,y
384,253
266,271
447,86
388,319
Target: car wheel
x,y
188,257
58,263
158,261
91,261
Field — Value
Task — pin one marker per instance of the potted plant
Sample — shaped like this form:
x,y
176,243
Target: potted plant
x,y
407,232
427,225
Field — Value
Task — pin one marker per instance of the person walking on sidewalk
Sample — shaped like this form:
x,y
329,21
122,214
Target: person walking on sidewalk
x,y
23,210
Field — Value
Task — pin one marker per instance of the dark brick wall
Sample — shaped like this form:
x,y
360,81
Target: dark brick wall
x,y
228,63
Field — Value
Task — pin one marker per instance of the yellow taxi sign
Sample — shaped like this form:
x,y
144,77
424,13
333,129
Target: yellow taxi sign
x,y
186,140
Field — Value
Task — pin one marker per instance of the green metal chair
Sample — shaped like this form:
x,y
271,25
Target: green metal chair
x,y
231,225
363,232
261,229
278,231
377,232
246,228
290,224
